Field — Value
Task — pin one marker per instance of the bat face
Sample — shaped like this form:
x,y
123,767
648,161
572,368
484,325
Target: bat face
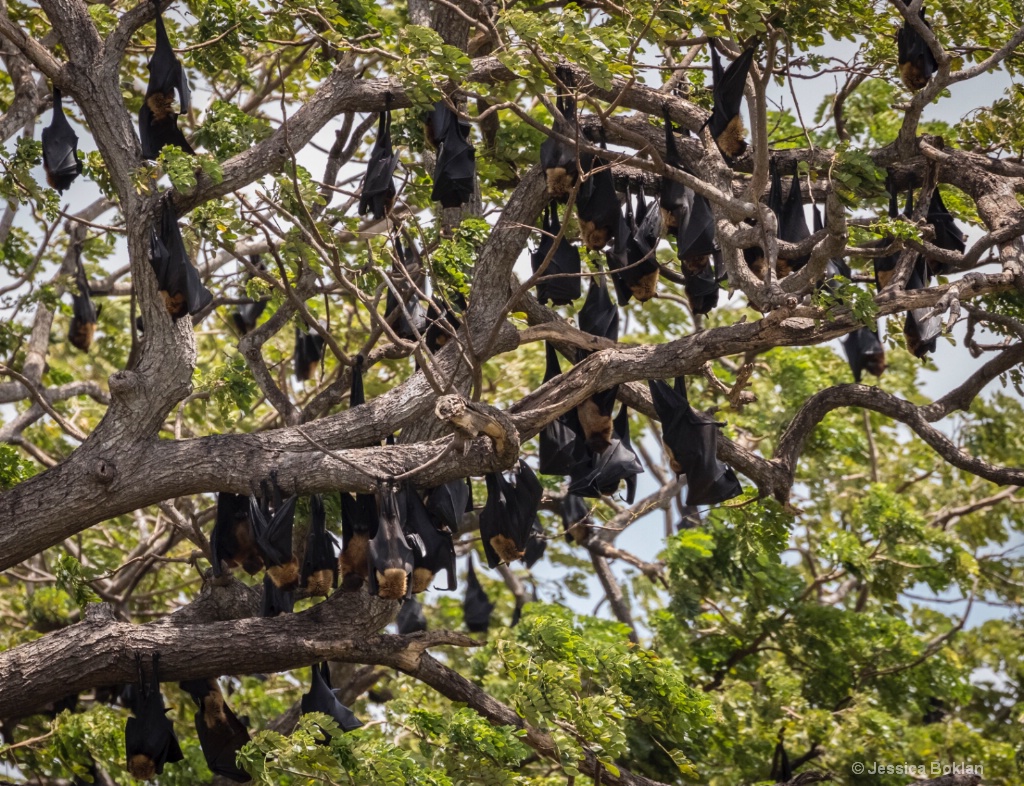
x,y
391,558
319,573
60,149
595,418
150,742
725,123
455,171
273,521
695,235
180,286
321,698
411,618
564,262
378,193
359,521
276,601
476,606
233,541
916,62
432,542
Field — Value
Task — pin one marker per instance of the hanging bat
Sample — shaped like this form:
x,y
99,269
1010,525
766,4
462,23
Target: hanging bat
x,y
455,171
691,440
597,205
695,235
886,266
275,601
221,733
158,123
432,544
246,315
599,317
309,353
834,267
319,574
559,448
476,606
947,234
83,313
436,335
701,285
411,618
640,275
916,62
323,698
864,352
920,330
391,558
561,167
676,199
378,193
407,327
507,517
727,91
575,519
359,519
793,227
781,772
180,286
450,503
60,149
149,738
536,545
564,262
233,541
273,520
599,473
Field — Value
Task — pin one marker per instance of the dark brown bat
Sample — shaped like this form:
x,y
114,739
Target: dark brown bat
x,y
597,205
561,166
323,698
378,193
599,317
793,227
275,601
319,574
431,541
455,171
60,149
564,262
309,352
477,608
507,518
411,618
559,447
676,199
245,315
273,519
864,352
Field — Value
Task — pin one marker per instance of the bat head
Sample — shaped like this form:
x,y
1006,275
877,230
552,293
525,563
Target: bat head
x,y
141,767
286,576
392,583
421,579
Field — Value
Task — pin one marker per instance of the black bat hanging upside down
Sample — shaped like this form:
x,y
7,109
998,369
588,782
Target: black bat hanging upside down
x,y
221,734
158,123
149,738
60,149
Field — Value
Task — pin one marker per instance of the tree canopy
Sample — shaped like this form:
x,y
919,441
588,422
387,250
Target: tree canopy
x,y
528,327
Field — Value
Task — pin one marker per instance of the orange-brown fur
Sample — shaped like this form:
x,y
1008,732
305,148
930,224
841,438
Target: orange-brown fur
x,y
695,265
160,105
353,561
421,578
175,304
213,707
506,549
596,425
673,462
782,268
285,577
594,237
731,141
560,182
392,584
875,364
580,533
81,334
669,220
320,582
759,267
142,767
912,77
50,180
645,287
884,277
248,555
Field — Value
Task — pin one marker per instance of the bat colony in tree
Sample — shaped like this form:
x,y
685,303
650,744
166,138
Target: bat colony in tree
x,y
397,540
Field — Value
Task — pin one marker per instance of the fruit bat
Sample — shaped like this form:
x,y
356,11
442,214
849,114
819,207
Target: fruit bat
x,y
599,473
455,171
432,544
391,558
920,330
691,440
617,256
599,317
575,518
60,149
947,234
676,199
149,738
536,545
233,541
83,312
559,447
916,61
561,166
781,772
359,520
450,503
246,314
639,278
835,266
411,618
275,601
886,266
323,698
408,327
507,517
378,194
864,352
309,353
695,235
564,262
701,283
597,205
273,519
158,123
319,574
221,733
793,227
476,606
436,335
180,286
727,92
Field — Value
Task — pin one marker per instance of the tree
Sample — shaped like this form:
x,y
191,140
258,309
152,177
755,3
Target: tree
x,y
830,610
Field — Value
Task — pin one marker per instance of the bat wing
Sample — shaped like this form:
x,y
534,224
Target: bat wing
x,y
599,474
552,368
220,744
275,600
321,698
378,191
559,448
528,493
793,222
728,89
565,262
437,547
536,545
701,288
573,510
599,315
391,557
598,204
411,618
676,198
455,171
177,278
274,535
320,554
60,149
696,232
494,522
449,503
165,71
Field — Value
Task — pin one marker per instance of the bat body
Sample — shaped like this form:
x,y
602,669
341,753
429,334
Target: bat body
x,y
781,772
885,266
450,503
793,227
947,234
691,439
180,286
600,473
433,544
920,330
597,205
561,167
83,312
676,199
158,123
575,519
378,193
599,317
319,574
411,618
559,449
273,520
864,352
275,601
60,149
639,277
391,558
564,262
476,606
695,235
725,122
322,698
309,352
359,520
149,738
701,283
437,334
507,518
221,734
916,61
233,541
246,315
835,266
455,171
